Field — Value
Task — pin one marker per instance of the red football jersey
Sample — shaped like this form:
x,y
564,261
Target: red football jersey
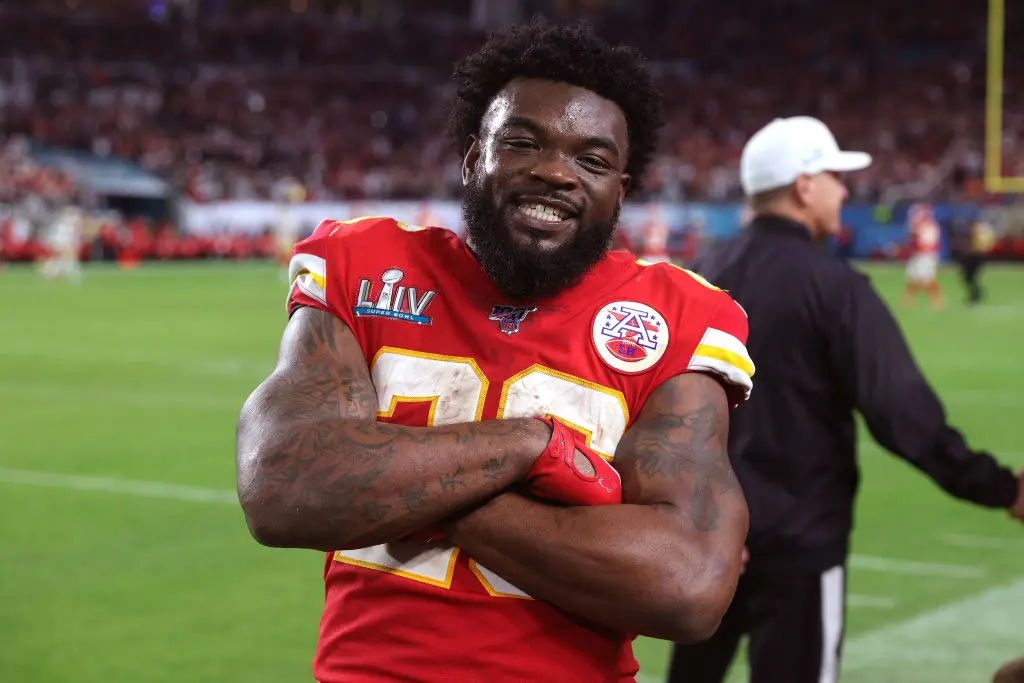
x,y
444,346
925,233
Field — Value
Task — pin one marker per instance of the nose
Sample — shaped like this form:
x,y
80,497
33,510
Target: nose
x,y
554,171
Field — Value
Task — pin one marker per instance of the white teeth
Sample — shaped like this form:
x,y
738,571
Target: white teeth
x,y
543,213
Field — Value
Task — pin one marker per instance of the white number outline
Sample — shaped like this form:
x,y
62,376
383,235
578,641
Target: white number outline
x,y
379,557
572,379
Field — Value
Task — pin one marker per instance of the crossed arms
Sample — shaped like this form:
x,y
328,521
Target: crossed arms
x,y
316,470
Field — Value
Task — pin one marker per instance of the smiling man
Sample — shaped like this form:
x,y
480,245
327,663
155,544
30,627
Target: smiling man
x,y
444,415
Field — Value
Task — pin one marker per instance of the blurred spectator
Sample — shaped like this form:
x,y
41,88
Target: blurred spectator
x,y
227,99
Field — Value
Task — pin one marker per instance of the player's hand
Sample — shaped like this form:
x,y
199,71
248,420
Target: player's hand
x,y
569,472
1017,511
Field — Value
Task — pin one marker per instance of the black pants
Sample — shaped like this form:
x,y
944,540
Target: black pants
x,y
795,623
970,268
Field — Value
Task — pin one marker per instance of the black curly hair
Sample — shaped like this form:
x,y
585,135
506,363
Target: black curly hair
x,y
567,54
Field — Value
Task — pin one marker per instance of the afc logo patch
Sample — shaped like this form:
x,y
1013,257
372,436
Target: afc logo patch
x,y
509,317
630,337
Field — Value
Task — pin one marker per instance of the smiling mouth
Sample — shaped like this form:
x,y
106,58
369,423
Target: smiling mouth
x,y
542,219
543,212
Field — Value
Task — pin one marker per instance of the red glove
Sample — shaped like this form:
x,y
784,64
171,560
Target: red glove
x,y
555,476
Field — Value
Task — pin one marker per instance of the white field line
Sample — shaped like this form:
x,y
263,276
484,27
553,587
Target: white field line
x,y
855,601
966,640
60,396
145,489
888,565
974,542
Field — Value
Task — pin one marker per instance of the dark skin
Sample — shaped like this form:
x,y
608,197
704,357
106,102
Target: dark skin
x,y
541,138
316,471
665,563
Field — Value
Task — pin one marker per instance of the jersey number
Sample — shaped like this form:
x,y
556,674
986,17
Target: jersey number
x,y
456,389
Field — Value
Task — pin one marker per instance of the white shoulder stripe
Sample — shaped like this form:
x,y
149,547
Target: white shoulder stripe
x,y
726,348
724,355
308,273
727,371
724,340
309,263
308,285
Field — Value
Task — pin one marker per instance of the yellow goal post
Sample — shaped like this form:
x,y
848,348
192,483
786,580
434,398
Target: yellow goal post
x,y
995,181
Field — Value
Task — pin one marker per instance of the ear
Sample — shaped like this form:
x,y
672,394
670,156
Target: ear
x,y
803,189
470,158
625,182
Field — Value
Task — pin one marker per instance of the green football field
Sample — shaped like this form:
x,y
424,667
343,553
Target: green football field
x,y
124,557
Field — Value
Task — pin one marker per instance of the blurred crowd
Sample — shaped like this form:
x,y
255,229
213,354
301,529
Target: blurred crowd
x,y
31,200
226,104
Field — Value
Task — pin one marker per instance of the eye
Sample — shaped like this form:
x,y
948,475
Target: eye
x,y
520,143
595,162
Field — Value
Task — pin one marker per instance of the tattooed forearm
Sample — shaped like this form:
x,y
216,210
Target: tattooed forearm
x,y
453,480
495,468
374,512
315,468
415,499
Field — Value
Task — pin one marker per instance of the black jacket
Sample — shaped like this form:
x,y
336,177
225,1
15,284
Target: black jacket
x,y
825,345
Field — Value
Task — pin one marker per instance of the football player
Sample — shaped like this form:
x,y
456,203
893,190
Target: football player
x,y
286,227
923,263
64,240
449,419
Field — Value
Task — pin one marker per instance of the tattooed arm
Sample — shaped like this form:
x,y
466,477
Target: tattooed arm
x,y
665,563
315,469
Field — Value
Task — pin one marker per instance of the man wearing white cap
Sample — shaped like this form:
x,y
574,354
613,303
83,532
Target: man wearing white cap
x,y
826,347
790,168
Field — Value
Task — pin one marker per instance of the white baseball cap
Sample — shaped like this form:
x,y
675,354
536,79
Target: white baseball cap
x,y
788,148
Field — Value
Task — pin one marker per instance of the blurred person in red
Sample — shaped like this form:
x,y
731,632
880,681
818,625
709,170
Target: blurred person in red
x,y
621,239
655,233
923,262
449,420
425,215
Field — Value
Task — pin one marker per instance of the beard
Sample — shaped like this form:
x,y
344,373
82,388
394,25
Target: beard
x,y
522,271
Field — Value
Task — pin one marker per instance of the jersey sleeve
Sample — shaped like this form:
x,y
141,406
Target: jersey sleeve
x,y
307,271
722,350
318,272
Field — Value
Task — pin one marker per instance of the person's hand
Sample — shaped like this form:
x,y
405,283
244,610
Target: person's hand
x,y
744,558
1017,510
569,472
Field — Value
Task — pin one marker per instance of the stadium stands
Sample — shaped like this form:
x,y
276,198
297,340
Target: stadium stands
x,y
225,105
237,100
